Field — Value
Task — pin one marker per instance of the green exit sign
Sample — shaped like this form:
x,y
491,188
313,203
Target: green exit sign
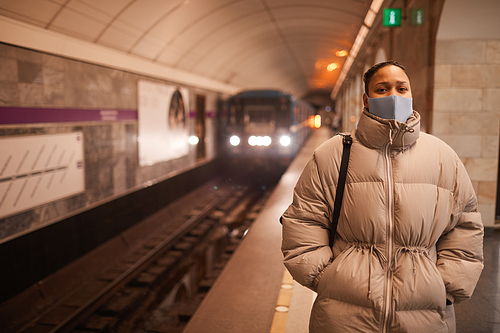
x,y
416,16
392,17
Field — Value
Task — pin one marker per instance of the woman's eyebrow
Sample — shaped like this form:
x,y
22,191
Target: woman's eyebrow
x,y
385,82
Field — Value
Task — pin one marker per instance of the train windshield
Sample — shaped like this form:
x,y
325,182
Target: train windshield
x,y
259,118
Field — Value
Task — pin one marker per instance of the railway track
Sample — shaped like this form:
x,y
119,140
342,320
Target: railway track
x,y
158,286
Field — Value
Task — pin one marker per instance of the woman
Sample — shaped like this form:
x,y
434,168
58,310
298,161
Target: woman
x,y
409,238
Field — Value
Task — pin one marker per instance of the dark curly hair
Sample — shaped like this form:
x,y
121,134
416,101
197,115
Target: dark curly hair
x,y
374,69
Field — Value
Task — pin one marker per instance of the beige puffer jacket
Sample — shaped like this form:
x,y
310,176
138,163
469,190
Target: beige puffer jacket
x,y
409,235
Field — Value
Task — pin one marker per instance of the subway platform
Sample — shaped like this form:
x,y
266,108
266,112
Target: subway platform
x,y
255,293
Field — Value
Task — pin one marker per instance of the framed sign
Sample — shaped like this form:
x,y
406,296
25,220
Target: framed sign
x,y
38,169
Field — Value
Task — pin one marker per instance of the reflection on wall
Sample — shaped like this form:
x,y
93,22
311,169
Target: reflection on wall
x,y
163,133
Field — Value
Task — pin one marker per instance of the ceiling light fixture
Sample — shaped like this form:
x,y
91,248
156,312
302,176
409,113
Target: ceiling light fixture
x,y
358,42
331,67
341,53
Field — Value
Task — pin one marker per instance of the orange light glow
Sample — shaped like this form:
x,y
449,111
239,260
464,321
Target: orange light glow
x,y
310,120
342,53
332,66
353,119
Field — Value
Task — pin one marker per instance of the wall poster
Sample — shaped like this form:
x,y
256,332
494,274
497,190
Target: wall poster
x,y
162,115
38,169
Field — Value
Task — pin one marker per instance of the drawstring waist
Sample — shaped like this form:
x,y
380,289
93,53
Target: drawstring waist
x,y
374,251
412,251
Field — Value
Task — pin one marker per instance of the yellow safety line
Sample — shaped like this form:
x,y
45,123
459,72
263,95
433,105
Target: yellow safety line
x,y
282,305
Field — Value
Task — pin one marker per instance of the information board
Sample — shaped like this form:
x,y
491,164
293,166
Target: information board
x,y
38,169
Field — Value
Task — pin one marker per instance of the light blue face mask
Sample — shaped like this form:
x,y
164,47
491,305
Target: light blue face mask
x,y
391,107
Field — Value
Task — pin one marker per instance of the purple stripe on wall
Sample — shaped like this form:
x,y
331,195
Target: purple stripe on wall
x,y
13,115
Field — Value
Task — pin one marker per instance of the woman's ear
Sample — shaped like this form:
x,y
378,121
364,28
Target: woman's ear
x,y
365,101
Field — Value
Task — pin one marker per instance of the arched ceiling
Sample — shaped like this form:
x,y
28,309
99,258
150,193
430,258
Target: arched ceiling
x,y
283,44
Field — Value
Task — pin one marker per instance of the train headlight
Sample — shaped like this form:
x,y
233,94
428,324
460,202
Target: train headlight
x,y
193,140
234,140
259,141
285,141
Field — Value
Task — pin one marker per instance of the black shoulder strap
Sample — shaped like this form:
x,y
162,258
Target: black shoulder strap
x,y
340,186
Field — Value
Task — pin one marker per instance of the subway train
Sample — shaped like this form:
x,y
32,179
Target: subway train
x,y
263,127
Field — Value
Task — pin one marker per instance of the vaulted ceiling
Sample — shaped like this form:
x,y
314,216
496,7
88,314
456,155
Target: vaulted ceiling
x,y
284,44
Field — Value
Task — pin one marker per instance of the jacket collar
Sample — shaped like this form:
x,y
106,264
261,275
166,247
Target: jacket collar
x,y
375,132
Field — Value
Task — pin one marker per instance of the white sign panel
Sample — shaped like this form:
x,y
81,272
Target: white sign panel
x,y
163,133
39,169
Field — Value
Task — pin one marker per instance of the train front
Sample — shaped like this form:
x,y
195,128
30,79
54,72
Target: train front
x,y
265,127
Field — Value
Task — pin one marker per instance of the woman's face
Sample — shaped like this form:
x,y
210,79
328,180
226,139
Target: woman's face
x,y
388,80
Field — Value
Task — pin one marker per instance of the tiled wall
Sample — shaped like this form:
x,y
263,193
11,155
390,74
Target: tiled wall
x,y
467,109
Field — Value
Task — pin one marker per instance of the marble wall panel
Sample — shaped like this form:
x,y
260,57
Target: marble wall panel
x,y
53,81
493,51
442,75
9,93
491,100
49,61
28,55
7,51
487,213
487,192
481,169
467,98
118,134
461,51
8,70
29,72
18,223
489,146
464,145
98,162
468,123
31,94
469,75
493,75
132,157
441,123
459,99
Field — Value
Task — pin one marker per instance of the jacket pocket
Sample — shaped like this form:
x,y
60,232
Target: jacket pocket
x,y
355,276
320,275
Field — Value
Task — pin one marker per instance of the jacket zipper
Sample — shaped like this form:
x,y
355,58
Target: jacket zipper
x,y
388,282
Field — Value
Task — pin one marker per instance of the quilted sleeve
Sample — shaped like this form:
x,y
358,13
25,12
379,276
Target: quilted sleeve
x,y
306,230
460,249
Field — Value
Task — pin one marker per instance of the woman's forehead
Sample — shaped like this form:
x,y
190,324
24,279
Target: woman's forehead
x,y
390,73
